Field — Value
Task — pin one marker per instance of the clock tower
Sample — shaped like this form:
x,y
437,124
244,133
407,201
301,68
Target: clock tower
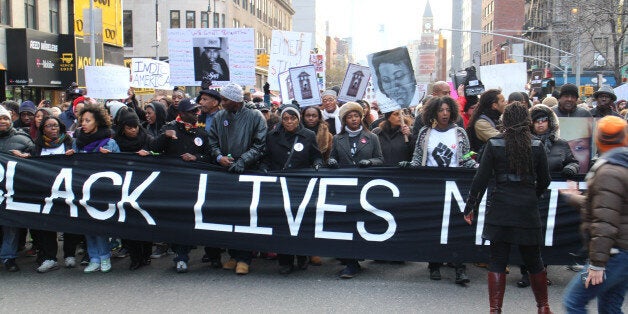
x,y
426,65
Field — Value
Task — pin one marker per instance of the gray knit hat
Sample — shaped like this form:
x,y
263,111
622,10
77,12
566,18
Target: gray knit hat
x,y
292,110
233,92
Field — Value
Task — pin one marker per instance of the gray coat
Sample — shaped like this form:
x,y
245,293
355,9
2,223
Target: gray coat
x,y
368,148
15,139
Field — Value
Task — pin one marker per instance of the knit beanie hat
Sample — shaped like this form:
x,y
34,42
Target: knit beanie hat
x,y
28,106
569,89
4,112
291,110
330,92
78,100
348,107
233,92
612,132
550,101
129,118
114,106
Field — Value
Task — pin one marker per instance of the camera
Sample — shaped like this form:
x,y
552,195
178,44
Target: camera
x,y
472,85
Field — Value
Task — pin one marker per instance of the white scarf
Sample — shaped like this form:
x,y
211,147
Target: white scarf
x,y
327,115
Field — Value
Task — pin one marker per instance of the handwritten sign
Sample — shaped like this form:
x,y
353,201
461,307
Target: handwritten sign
x,y
150,73
225,54
287,50
107,82
318,61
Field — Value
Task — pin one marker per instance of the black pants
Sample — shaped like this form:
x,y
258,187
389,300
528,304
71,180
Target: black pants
x,y
48,245
288,260
499,252
213,253
138,250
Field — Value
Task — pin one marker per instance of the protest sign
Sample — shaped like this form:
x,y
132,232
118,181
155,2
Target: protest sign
x,y
107,82
285,87
150,73
222,55
393,78
318,61
304,85
509,77
578,132
287,50
355,83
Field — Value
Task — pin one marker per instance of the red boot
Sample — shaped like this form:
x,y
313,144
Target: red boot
x,y
538,282
496,288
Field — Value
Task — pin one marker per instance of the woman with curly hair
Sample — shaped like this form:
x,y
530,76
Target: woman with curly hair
x,y
94,136
519,166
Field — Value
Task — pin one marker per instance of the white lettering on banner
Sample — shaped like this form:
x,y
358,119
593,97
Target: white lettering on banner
x,y
252,227
322,207
94,212
390,219
551,212
132,198
294,223
480,226
198,209
1,179
451,189
64,177
11,205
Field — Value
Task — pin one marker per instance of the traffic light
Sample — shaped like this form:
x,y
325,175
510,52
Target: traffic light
x,y
262,60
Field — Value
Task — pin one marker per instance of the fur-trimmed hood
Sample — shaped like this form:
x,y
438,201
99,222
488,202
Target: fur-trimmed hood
x,y
543,110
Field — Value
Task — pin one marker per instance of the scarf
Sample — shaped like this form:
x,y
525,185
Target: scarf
x,y
353,133
53,143
128,144
187,126
94,141
546,139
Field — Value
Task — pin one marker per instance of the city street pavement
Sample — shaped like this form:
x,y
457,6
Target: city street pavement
x,y
158,288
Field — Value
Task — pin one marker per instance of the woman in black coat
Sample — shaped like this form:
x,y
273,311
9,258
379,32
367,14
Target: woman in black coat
x,y
519,166
155,118
291,146
354,146
395,137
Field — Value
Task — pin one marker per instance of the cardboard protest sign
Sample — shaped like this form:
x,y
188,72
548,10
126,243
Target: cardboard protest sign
x,y
621,91
222,55
393,78
287,50
509,77
318,61
355,82
150,73
285,87
107,82
304,85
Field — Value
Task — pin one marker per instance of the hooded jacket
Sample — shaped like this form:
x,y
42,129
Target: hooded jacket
x,y
160,119
559,154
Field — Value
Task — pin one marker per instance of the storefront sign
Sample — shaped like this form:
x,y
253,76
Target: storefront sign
x,y
111,20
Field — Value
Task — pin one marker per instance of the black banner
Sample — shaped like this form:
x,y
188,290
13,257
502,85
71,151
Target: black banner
x,y
378,213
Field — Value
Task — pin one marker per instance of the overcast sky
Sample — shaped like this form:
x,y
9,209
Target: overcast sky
x,y
363,20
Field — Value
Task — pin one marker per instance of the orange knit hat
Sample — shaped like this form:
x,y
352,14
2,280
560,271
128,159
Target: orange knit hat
x,y
612,132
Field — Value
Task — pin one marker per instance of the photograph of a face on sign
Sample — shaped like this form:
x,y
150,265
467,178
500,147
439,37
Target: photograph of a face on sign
x,y
355,83
211,56
305,86
393,79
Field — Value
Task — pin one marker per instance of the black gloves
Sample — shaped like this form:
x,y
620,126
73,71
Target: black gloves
x,y
471,205
266,88
332,163
404,164
569,170
364,163
237,167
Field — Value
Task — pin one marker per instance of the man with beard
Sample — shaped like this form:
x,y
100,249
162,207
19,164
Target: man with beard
x,y
568,103
605,97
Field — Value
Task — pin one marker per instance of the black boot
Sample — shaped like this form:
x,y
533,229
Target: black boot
x,y
461,275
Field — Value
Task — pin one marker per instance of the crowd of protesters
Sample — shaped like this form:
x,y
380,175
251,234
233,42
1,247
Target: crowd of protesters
x,y
509,138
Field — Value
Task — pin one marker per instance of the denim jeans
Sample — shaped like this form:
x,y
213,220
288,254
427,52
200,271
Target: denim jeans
x,y
10,241
610,294
97,248
182,252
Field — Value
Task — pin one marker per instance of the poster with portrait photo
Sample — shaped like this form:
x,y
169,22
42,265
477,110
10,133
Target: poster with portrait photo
x,y
211,58
393,78
578,132
355,82
224,54
304,84
285,87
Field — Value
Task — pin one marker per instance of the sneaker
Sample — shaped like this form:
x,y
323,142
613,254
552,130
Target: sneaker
x,y
230,264
10,265
70,262
242,268
435,274
349,272
160,250
47,266
182,267
461,276
85,260
120,253
105,265
91,268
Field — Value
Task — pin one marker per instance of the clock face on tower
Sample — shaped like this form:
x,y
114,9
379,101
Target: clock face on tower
x,y
427,27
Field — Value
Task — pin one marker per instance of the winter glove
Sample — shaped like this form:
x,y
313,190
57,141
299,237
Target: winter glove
x,y
266,88
237,167
332,163
364,163
569,171
317,166
405,164
471,205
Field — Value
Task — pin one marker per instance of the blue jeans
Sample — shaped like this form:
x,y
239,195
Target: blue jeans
x,y
97,248
610,294
10,238
182,252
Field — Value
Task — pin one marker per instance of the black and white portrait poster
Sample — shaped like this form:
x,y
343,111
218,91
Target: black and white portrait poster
x,y
355,83
393,79
305,86
221,54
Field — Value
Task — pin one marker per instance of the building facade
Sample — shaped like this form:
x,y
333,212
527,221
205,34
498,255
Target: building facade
x,y
426,71
500,16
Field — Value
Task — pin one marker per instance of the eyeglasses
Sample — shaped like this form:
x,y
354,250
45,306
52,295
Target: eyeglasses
x,y
51,126
542,119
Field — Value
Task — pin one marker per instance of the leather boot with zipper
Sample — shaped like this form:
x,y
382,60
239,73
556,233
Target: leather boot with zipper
x,y
538,282
496,288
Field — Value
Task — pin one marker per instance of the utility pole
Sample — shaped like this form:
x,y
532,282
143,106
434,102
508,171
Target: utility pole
x,y
92,30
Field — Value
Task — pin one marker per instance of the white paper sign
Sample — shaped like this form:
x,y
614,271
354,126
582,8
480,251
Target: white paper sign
x,y
107,82
355,83
287,50
509,77
221,54
150,73
285,87
304,85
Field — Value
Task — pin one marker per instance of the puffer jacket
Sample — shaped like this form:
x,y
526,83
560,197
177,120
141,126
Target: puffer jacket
x,y
559,154
16,139
604,210
241,134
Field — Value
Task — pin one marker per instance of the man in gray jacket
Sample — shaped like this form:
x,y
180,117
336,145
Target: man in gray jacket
x,y
568,103
237,140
